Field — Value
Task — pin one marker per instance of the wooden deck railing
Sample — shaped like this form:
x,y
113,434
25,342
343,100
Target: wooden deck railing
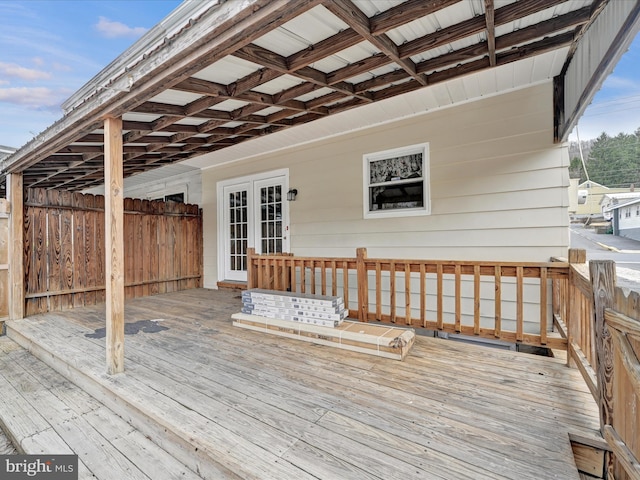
x,y
599,323
506,301
602,324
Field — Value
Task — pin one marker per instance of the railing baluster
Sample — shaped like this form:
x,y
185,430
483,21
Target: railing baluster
x,y
458,297
476,299
439,272
276,274
303,277
323,273
543,305
294,285
498,301
423,295
378,291
285,283
392,290
519,303
345,282
334,278
407,293
312,272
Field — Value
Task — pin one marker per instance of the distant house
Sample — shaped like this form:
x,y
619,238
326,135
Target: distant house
x,y
626,219
590,196
609,200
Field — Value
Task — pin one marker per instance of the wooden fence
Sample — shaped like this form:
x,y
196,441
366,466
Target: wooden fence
x,y
602,323
64,249
4,262
465,297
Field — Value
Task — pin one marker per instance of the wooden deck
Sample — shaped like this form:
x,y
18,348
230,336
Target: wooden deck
x,y
226,402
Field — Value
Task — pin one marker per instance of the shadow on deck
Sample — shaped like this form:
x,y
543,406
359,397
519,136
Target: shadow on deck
x,y
226,402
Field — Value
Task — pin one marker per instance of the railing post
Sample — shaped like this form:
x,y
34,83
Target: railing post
x,y
603,283
363,285
251,280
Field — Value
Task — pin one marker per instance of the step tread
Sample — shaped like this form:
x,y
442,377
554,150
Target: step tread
x,y
44,413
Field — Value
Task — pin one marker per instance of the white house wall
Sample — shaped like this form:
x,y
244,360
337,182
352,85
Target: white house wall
x,y
498,187
629,221
189,183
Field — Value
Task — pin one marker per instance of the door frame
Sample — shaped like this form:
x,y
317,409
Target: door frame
x,y
221,215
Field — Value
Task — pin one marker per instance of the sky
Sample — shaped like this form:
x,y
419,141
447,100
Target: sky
x,y
51,48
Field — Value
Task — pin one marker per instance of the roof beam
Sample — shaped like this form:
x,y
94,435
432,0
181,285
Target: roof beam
x,y
475,25
509,40
406,12
262,56
346,11
489,18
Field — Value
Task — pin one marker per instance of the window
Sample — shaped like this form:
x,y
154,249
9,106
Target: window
x,y
396,182
175,197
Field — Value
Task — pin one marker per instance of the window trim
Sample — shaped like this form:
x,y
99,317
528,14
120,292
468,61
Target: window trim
x,y
367,158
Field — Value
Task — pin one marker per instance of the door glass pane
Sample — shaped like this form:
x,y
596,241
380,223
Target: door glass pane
x,y
271,219
238,230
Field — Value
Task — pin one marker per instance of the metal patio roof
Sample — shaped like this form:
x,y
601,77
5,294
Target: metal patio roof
x,y
213,77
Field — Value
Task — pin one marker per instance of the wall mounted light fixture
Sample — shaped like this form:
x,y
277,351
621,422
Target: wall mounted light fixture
x,y
291,194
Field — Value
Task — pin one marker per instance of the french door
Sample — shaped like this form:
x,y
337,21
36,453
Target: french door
x,y
254,214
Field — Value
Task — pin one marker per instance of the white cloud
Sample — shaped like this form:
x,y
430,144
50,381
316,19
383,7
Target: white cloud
x,y
39,98
112,29
23,73
38,61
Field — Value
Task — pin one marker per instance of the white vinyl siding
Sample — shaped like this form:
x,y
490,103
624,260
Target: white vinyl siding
x,y
498,187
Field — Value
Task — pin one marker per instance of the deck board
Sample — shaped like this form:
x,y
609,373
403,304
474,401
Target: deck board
x,y
449,410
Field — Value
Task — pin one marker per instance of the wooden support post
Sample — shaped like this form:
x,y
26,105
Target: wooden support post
x,y
603,283
16,246
251,275
363,285
114,244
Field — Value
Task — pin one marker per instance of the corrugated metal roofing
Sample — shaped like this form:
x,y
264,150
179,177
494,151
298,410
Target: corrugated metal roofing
x,y
249,76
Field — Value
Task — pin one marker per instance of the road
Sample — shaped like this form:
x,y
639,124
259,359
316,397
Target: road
x,y
625,252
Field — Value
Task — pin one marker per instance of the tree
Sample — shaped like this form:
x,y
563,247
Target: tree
x,y
615,161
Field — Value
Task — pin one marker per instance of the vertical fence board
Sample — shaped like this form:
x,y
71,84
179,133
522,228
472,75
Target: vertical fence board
x,y
64,249
154,253
79,280
90,254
